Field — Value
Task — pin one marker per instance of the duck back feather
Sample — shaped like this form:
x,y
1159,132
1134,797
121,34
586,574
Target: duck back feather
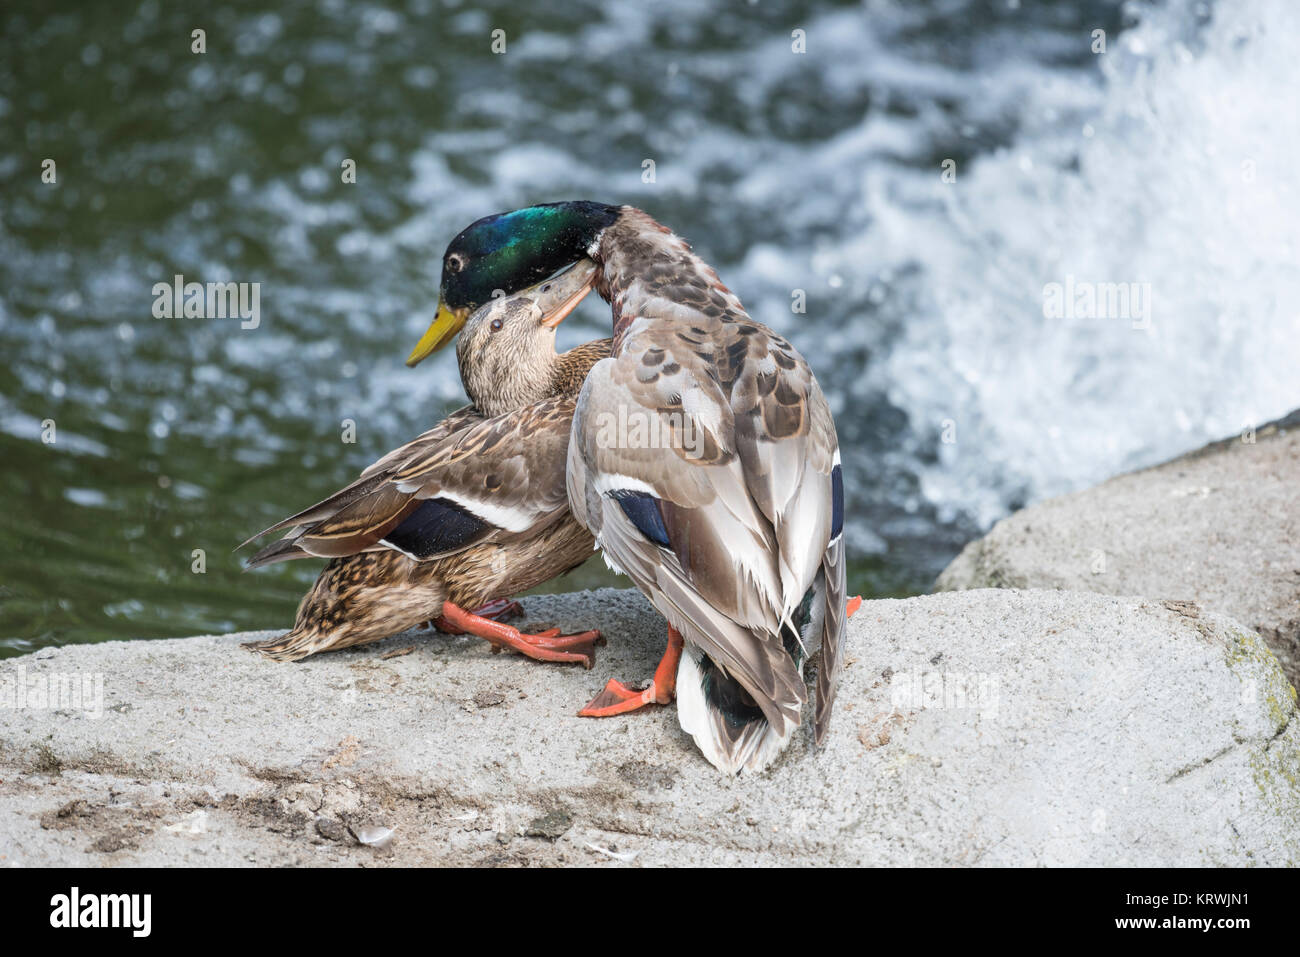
x,y
714,708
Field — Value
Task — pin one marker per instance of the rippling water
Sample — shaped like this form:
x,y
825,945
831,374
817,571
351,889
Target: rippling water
x,y
1165,160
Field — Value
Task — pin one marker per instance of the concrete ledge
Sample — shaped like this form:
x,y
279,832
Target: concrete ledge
x,y
1220,526
987,727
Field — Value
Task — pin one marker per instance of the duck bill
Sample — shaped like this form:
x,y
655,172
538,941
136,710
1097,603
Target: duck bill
x,y
560,294
441,331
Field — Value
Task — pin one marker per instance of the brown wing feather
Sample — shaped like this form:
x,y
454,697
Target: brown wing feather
x,y
375,475
758,480
744,488
507,470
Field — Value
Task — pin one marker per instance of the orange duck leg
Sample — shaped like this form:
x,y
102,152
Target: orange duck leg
x,y
618,698
498,609
549,645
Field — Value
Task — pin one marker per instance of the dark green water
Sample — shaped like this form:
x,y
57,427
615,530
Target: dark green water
x,y
180,434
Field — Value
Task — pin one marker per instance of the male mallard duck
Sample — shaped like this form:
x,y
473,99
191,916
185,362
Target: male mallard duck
x,y
472,510
704,460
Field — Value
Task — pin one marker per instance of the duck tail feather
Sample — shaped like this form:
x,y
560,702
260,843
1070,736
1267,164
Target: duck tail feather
x,y
830,617
293,645
281,550
311,632
728,727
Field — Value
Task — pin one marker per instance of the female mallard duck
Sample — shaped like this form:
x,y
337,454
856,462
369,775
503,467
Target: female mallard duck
x,y
472,510
704,461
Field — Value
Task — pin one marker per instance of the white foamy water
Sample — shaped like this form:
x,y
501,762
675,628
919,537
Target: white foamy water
x,y
1179,174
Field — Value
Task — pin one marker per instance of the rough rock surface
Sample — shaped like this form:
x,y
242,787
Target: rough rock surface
x,y
1220,526
983,727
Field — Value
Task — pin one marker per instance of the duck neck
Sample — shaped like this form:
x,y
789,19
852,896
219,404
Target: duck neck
x,y
511,379
649,271
571,367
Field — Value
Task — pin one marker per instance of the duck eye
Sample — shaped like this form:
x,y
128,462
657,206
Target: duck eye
x,y
496,325
455,264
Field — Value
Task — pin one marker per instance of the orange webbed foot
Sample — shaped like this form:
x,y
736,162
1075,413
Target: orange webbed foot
x,y
618,698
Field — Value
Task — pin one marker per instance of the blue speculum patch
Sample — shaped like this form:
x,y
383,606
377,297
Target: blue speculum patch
x,y
837,502
643,511
435,527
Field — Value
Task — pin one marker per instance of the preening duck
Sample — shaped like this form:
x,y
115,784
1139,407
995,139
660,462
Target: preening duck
x,y
469,513
704,460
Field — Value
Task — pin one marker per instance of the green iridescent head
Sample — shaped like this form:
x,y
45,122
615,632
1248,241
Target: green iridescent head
x,y
506,253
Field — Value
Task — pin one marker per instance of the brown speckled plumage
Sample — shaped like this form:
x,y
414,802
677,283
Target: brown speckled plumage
x,y
368,596
506,471
733,532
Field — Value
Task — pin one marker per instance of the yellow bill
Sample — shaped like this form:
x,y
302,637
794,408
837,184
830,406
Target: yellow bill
x,y
556,296
441,331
